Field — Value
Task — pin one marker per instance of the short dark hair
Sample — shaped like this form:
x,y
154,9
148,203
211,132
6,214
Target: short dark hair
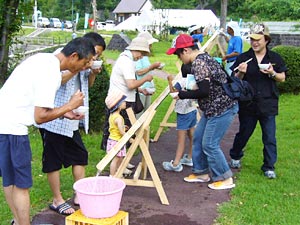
x,y
96,39
186,69
180,50
82,46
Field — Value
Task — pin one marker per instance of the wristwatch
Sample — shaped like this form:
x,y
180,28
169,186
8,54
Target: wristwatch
x,y
273,76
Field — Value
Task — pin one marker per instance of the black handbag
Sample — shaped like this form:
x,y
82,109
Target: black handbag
x,y
138,106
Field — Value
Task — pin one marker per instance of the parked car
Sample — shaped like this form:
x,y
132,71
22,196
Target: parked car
x,y
43,22
55,22
107,25
110,24
68,24
100,25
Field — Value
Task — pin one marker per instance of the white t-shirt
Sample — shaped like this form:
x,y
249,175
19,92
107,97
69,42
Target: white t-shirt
x,y
33,83
123,69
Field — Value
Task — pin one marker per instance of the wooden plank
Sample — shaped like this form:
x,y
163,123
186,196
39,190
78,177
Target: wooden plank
x,y
137,172
140,183
163,124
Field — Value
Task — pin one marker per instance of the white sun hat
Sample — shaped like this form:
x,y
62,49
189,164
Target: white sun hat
x,y
139,44
148,36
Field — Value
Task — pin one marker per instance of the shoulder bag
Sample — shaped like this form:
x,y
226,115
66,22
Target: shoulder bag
x,y
237,88
138,106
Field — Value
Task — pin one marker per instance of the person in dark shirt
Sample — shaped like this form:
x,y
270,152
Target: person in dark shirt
x,y
264,107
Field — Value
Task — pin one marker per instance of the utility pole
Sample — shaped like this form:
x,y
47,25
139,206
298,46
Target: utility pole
x,y
94,5
35,13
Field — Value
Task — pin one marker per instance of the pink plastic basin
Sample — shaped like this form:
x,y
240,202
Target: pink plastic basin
x,y
99,197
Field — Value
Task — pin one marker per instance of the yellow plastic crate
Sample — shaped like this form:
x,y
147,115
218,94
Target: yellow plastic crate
x,y
77,218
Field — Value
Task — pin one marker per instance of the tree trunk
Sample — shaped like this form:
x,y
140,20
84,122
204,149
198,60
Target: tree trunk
x,y
7,19
224,4
94,4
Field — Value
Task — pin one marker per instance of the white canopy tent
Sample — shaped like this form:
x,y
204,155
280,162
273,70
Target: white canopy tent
x,y
155,19
128,24
178,18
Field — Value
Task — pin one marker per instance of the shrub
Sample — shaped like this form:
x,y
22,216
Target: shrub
x,y
97,94
291,57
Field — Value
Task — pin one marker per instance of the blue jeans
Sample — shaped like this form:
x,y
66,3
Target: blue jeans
x,y
247,126
207,153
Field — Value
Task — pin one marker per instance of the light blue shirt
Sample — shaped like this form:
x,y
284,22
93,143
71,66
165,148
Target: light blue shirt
x,y
141,64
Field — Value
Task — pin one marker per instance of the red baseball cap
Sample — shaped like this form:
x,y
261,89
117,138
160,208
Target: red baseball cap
x,y
181,41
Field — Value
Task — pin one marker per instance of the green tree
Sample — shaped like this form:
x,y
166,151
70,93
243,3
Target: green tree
x,y
10,24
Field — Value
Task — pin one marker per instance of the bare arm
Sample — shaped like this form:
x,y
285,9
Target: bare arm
x,y
279,77
66,76
232,54
92,76
120,123
205,31
153,66
133,83
43,115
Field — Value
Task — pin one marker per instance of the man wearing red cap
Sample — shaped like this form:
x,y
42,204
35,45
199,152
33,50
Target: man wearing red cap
x,y
218,111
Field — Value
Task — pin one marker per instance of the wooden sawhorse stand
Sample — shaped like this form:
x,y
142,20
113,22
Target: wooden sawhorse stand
x,y
140,128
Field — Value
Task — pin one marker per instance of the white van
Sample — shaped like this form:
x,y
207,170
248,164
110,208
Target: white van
x,y
43,22
55,22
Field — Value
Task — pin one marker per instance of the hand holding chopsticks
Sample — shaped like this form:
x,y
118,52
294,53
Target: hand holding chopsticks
x,y
236,68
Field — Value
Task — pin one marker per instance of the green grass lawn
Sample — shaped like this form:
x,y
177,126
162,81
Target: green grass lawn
x,y
255,200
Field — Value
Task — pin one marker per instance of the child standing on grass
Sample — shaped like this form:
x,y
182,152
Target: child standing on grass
x,y
115,102
186,121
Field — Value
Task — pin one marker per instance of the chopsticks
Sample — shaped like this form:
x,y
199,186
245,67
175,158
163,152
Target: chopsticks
x,y
235,69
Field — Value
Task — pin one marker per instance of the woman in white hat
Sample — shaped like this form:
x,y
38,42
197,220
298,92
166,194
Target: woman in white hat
x,y
123,78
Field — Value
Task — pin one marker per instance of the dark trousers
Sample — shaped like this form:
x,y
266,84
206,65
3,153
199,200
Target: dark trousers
x,y
247,126
106,124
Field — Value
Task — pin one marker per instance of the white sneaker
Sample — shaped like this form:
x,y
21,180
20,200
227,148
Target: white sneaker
x,y
130,166
186,161
169,166
127,172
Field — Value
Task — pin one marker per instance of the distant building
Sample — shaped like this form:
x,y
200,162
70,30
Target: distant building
x,y
127,8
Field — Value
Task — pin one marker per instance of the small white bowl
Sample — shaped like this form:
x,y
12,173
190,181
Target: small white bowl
x,y
81,110
263,66
174,94
161,66
97,64
150,90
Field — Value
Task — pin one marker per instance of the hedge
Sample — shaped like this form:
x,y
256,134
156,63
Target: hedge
x,y
97,94
291,57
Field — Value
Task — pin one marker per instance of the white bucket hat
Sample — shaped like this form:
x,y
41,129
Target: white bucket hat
x,y
139,44
235,27
148,36
193,28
